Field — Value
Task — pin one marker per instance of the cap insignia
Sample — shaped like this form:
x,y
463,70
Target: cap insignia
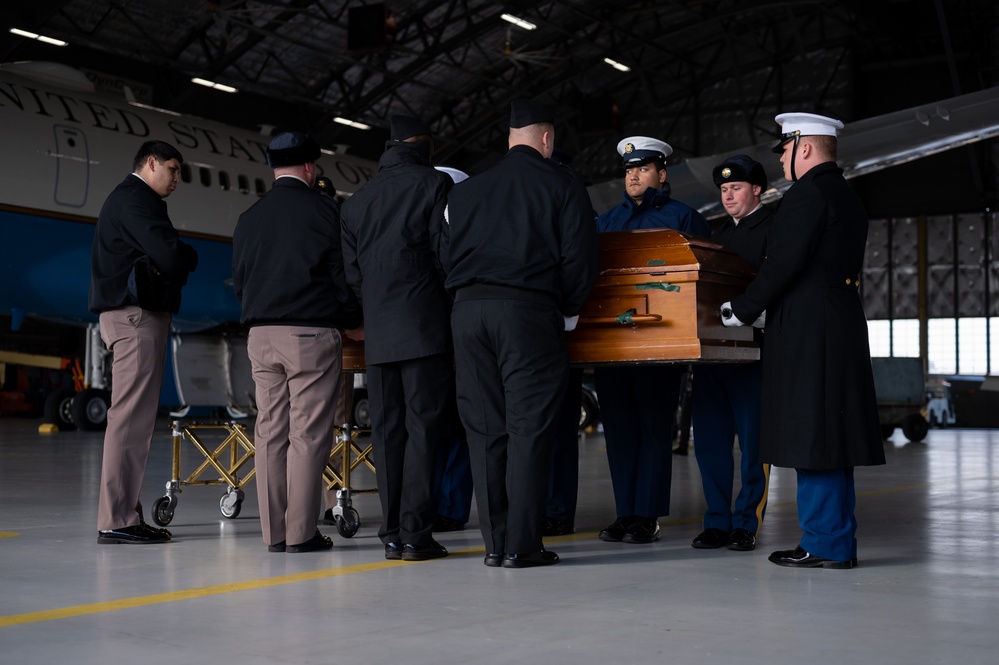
x,y
726,172
629,148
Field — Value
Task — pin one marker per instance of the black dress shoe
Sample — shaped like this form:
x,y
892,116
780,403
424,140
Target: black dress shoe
x,y
615,532
277,547
393,551
741,540
799,558
542,558
710,539
139,534
643,530
551,527
317,543
432,550
493,560
445,524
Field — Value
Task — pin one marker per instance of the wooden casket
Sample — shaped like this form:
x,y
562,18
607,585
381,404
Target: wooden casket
x,y
657,300
353,355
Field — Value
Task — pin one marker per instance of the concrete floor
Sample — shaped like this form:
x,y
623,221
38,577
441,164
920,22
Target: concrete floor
x,y
926,591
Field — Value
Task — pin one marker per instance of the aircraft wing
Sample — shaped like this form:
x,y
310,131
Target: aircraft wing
x,y
865,146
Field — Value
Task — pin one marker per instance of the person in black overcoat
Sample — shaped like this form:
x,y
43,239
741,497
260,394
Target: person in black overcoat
x,y
726,397
520,249
390,230
820,414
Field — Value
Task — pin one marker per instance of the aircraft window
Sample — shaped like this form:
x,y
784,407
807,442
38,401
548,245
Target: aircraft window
x,y
185,173
244,184
206,176
261,187
224,180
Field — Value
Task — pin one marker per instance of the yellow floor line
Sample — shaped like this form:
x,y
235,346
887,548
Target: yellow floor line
x,y
172,596
202,592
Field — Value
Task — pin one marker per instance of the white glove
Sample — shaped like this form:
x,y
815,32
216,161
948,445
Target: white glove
x,y
571,321
761,320
728,317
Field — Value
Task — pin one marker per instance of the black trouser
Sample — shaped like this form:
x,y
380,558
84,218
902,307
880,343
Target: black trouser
x,y
511,360
408,406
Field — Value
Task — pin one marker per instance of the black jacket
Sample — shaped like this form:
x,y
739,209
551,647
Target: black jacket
x,y
748,237
390,234
286,261
133,225
819,406
523,229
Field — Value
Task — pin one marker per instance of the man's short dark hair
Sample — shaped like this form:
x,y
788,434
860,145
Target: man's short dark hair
x,y
825,144
161,150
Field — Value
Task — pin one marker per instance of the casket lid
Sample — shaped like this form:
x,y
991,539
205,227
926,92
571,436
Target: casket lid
x,y
665,250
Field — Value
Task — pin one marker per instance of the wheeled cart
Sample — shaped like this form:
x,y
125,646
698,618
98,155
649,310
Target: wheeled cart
x,y
346,456
227,458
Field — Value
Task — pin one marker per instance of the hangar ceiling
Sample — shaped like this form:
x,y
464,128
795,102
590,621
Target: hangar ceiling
x,y
707,76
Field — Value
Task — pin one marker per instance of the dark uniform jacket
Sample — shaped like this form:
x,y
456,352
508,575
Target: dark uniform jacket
x,y
133,224
391,228
286,261
533,236
819,406
748,237
656,211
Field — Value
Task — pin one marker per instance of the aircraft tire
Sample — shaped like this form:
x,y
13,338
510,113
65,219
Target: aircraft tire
x,y
90,409
58,409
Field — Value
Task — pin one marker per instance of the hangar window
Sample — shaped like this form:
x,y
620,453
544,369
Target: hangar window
x,y
206,176
950,317
224,180
244,184
185,173
261,187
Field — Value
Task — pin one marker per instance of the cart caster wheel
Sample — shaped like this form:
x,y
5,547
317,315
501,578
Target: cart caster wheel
x,y
230,504
348,524
163,510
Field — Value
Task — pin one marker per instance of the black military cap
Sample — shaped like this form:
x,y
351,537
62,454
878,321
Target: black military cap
x,y
402,127
524,112
740,168
292,149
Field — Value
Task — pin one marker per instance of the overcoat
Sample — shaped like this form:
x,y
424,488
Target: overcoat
x,y
819,406
390,231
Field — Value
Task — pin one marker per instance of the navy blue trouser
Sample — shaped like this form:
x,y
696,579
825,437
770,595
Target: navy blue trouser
x,y
563,484
638,408
827,503
453,481
727,402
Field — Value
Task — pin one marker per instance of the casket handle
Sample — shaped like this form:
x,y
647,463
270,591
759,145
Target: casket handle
x,y
634,318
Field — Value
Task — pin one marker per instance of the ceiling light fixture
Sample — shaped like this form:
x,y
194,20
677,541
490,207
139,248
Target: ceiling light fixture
x,y
41,38
519,22
214,85
617,65
351,123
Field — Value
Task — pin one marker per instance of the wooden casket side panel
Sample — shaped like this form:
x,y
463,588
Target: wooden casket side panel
x,y
656,300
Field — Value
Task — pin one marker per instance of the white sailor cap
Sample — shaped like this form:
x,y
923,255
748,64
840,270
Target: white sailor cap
x,y
804,124
636,150
455,174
